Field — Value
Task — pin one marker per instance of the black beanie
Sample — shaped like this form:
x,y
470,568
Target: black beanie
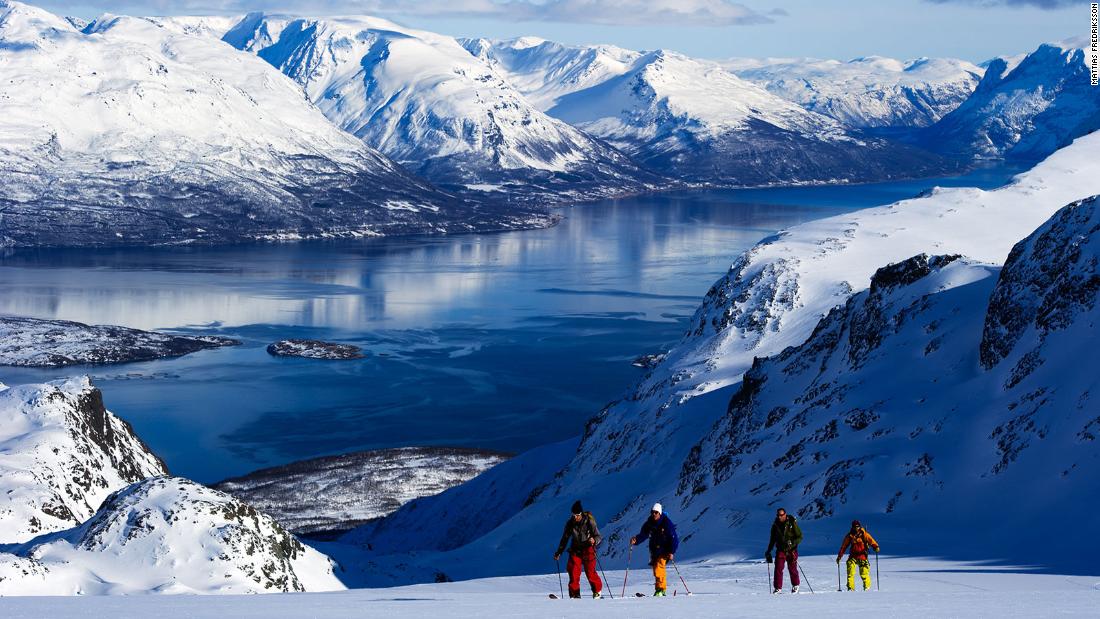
x,y
577,507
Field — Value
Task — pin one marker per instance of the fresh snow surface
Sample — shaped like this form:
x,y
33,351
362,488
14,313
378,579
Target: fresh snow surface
x,y
723,586
870,91
646,446
35,342
422,99
336,493
61,454
167,535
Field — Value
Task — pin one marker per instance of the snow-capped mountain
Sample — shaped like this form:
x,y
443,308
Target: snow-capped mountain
x,y
871,91
167,535
422,99
1023,109
337,493
133,132
693,119
34,342
878,412
654,443
61,454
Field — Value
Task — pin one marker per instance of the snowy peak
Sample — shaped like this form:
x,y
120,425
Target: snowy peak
x,y
426,101
31,26
61,454
870,91
170,535
177,137
1023,109
693,119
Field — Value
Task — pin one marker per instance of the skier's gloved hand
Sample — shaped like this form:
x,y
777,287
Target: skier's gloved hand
x,y
838,560
876,549
633,541
556,557
768,557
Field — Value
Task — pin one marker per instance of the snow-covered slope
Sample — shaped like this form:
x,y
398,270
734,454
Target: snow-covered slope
x,y
61,454
133,132
422,99
693,119
866,92
337,493
724,585
1023,109
167,535
633,452
34,342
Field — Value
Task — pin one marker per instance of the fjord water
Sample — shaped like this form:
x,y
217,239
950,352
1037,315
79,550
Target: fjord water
x,y
500,341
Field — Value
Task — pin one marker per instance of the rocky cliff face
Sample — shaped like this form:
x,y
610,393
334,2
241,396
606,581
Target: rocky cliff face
x,y
61,454
168,535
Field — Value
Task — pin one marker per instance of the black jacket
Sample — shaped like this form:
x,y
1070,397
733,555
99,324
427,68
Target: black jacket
x,y
662,536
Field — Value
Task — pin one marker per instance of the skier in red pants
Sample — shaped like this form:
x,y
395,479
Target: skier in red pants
x,y
582,536
785,538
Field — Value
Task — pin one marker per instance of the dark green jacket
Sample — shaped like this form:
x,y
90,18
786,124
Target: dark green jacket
x,y
786,536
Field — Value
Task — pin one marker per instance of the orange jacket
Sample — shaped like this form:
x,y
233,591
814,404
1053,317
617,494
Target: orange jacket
x,y
859,543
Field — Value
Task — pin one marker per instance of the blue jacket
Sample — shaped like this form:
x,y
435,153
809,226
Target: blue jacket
x,y
661,535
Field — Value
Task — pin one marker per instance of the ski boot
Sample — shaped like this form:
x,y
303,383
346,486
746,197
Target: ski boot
x,y
777,592
659,593
596,595
794,589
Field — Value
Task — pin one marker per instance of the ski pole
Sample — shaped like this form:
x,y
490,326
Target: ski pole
x,y
878,581
627,574
768,580
604,574
838,575
560,587
807,579
677,568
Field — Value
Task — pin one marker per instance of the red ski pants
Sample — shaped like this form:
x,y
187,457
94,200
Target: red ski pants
x,y
586,559
791,559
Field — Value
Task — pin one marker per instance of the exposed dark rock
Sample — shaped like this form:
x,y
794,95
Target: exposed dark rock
x,y
314,349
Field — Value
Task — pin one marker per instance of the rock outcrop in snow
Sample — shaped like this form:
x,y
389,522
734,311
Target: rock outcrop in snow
x,y
422,99
337,493
866,92
1023,109
61,454
35,342
168,535
134,132
694,120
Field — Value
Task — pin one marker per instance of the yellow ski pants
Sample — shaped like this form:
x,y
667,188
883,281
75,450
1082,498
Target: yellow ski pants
x,y
864,573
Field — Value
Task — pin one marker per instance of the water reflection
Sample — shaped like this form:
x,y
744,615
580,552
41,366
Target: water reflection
x,y
501,341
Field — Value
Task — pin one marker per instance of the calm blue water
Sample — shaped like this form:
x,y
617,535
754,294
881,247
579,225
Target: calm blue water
x,y
502,341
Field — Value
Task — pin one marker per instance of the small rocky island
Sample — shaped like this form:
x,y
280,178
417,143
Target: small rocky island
x,y
35,342
315,349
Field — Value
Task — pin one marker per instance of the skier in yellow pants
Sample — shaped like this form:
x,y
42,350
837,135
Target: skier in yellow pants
x,y
859,540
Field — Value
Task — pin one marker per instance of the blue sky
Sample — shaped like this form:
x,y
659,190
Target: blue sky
x,y
972,29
